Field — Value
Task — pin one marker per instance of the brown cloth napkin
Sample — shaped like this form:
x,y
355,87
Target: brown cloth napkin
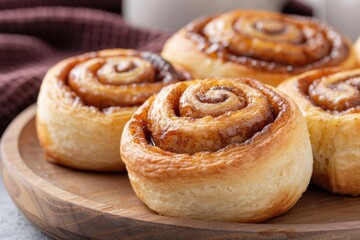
x,y
34,39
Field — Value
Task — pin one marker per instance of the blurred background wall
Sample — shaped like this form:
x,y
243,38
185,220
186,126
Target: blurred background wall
x,y
173,14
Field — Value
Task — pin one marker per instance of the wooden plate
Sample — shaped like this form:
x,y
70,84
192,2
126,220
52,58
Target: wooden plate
x,y
71,204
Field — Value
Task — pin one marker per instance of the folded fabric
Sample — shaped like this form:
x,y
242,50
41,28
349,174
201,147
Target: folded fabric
x,y
34,39
114,6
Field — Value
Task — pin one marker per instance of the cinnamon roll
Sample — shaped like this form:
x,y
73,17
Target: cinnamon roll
x,y
267,46
85,101
330,101
218,149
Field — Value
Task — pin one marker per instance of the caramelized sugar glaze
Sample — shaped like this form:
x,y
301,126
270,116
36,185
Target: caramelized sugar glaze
x,y
225,149
332,91
269,47
203,119
330,102
125,78
85,101
270,42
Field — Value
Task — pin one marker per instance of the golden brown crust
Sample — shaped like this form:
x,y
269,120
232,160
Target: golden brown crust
x,y
215,155
330,101
85,101
357,49
266,46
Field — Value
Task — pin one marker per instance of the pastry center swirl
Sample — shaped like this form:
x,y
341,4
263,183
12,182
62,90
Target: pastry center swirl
x,y
205,100
271,30
124,66
270,27
207,115
121,70
335,93
122,80
271,42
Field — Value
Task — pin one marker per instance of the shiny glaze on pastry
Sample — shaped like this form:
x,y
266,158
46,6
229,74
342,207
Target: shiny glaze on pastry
x,y
330,101
86,100
218,149
264,45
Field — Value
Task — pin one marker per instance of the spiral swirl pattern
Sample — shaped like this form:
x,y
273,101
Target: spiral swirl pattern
x,y
333,92
269,41
125,78
85,102
208,115
208,149
330,101
224,111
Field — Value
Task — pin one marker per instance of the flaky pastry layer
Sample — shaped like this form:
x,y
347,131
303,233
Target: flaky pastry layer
x,y
85,101
253,177
330,102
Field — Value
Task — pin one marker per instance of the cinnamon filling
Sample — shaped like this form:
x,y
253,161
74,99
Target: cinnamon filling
x,y
120,80
306,44
124,67
271,27
212,114
332,93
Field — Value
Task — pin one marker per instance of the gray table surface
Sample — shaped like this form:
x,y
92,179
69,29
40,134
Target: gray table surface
x,y
13,224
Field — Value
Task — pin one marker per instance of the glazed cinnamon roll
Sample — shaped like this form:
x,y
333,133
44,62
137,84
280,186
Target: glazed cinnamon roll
x,y
218,149
266,46
85,101
330,101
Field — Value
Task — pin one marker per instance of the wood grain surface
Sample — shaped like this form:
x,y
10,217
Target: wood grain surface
x,y
69,204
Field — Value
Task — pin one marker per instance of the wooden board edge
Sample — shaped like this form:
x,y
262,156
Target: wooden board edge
x,y
9,142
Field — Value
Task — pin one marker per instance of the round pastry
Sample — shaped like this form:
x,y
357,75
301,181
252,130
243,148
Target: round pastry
x,y
266,46
85,101
330,102
218,149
